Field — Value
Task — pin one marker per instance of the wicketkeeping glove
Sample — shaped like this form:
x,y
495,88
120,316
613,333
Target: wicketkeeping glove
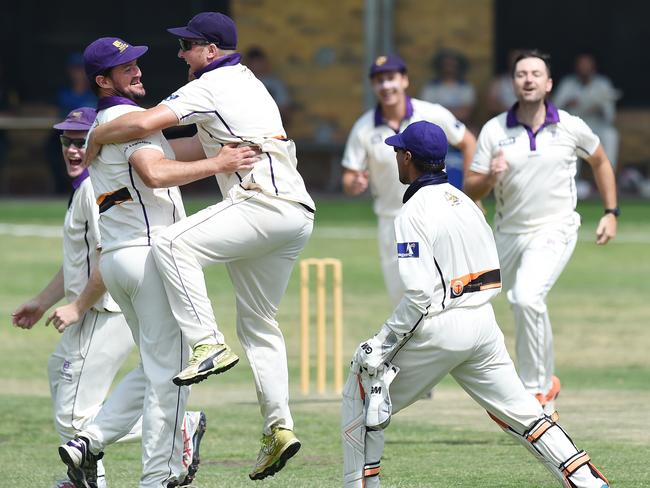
x,y
377,350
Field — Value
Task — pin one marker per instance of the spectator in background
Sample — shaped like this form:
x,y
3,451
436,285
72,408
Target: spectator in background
x,y
592,97
258,62
500,96
76,93
450,89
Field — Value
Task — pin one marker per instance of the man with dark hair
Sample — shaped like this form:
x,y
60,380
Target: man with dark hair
x,y
257,230
367,161
444,324
135,187
528,156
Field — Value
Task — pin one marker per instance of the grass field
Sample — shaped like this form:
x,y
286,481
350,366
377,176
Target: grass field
x,y
600,310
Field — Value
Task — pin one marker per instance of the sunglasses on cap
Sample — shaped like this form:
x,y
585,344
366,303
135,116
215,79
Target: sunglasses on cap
x,y
78,143
187,44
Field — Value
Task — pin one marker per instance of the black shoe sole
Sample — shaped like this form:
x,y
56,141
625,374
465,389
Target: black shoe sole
x,y
288,453
200,377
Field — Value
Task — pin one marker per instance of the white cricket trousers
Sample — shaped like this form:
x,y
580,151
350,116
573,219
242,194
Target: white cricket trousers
x,y
468,344
131,276
258,237
83,366
530,265
388,257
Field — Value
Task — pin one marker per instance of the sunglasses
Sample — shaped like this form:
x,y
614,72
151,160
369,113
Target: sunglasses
x,y
187,44
78,143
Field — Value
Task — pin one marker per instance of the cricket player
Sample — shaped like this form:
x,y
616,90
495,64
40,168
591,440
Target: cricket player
x,y
95,343
131,213
528,156
444,324
258,230
368,161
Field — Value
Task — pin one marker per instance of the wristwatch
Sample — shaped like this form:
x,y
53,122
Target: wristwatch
x,y
615,211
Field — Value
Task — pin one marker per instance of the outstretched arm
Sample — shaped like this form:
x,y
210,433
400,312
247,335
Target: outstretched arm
x,y
606,183
135,124
30,312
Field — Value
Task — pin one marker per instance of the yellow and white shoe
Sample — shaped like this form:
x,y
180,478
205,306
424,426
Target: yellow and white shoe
x,y
206,359
276,450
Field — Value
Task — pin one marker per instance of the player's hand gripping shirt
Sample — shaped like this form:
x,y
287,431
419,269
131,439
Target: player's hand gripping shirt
x,y
365,150
539,186
446,253
229,104
130,213
80,243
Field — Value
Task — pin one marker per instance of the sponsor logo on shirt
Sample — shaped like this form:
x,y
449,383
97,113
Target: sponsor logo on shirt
x,y
66,375
171,97
506,142
452,199
408,250
134,144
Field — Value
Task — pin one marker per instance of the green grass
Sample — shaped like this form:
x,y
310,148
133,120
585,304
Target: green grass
x,y
600,312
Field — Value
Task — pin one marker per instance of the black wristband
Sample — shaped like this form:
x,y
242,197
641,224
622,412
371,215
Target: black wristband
x,y
614,211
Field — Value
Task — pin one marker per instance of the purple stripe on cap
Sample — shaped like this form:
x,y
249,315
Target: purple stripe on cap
x,y
229,60
552,117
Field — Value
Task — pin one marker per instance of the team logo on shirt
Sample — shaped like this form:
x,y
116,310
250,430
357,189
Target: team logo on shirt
x,y
457,287
452,199
171,97
408,250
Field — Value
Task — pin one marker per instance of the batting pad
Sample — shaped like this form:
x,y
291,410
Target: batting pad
x,y
362,449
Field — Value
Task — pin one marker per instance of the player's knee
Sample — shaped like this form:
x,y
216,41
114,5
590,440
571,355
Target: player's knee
x,y
526,300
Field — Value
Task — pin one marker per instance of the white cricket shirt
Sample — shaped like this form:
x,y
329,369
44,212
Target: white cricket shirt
x,y
80,243
130,213
365,150
539,187
229,104
446,255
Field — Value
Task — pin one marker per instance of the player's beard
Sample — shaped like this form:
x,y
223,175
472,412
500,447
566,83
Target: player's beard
x,y
132,94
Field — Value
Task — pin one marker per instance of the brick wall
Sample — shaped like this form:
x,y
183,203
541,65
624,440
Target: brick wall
x,y
318,49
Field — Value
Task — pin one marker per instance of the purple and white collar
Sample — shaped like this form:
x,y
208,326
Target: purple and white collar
x,y
229,60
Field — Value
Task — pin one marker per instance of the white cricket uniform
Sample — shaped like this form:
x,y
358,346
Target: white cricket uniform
x,y
536,224
90,353
450,269
131,214
365,151
258,230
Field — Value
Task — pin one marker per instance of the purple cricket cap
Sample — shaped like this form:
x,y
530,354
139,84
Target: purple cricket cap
x,y
81,118
425,141
107,52
210,26
382,64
